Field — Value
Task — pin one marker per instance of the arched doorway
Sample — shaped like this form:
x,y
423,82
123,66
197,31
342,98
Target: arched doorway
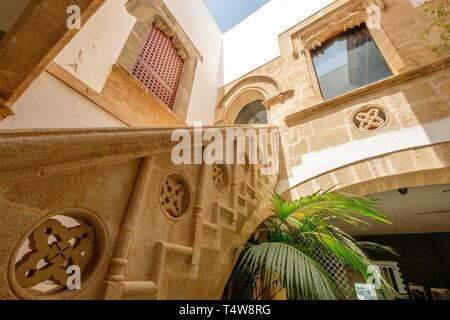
x,y
253,113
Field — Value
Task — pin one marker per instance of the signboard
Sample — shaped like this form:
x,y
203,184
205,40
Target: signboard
x,y
365,291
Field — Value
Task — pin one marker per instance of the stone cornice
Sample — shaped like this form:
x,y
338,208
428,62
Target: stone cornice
x,y
300,116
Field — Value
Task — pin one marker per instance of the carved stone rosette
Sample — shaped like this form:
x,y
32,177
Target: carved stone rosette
x,y
175,195
370,118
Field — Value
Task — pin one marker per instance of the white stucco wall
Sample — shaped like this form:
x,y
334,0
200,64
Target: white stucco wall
x,y
254,41
49,103
96,47
198,24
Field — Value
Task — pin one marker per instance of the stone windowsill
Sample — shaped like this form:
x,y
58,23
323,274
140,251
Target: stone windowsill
x,y
122,97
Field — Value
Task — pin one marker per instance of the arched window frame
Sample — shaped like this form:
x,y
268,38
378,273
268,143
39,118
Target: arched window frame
x,y
249,89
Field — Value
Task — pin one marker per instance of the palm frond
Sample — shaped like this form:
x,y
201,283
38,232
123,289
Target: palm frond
x,y
283,252
340,206
290,267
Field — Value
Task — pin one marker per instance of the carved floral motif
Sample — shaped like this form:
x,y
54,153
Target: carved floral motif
x,y
55,247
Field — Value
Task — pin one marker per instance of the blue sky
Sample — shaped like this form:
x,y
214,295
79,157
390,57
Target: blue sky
x,y
229,13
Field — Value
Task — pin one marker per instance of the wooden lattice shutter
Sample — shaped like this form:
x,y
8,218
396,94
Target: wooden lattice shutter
x,y
159,67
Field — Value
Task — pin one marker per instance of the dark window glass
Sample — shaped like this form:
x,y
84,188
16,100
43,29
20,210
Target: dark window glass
x,y
349,62
253,113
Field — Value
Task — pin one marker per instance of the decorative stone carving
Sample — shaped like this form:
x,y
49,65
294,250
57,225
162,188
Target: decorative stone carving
x,y
161,24
220,176
317,30
175,195
370,118
347,16
44,258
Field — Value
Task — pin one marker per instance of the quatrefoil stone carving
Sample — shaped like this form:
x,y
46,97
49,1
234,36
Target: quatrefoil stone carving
x,y
55,247
370,118
175,195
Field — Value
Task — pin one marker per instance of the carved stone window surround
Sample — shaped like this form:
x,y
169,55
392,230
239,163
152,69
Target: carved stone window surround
x,y
258,87
345,15
186,49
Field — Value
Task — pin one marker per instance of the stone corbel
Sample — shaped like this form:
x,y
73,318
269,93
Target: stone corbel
x,y
143,10
281,98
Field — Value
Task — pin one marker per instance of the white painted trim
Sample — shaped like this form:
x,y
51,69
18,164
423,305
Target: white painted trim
x,y
317,163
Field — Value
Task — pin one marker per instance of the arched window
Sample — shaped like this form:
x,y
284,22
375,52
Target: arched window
x,y
252,113
159,67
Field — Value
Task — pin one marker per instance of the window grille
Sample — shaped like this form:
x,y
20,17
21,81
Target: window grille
x,y
159,67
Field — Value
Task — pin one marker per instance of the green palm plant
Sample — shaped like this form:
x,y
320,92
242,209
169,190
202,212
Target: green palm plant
x,y
284,253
